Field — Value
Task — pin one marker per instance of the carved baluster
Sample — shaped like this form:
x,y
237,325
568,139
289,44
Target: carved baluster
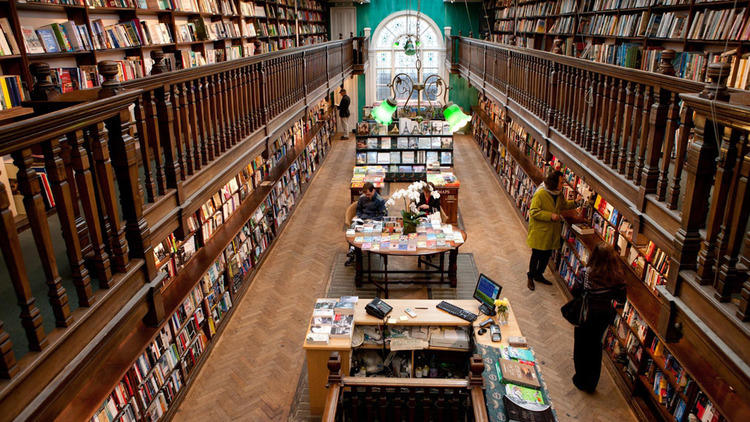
x,y
125,166
87,196
248,83
700,171
179,125
600,117
655,141
191,92
427,406
105,178
151,147
207,105
581,98
143,130
383,404
242,102
649,134
626,127
28,184
683,136
218,109
607,120
200,125
166,137
233,105
8,367
552,94
263,94
737,209
64,205
670,132
31,318
185,131
567,101
215,114
593,105
635,131
614,135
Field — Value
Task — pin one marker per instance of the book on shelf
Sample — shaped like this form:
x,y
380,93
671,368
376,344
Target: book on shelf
x,y
12,93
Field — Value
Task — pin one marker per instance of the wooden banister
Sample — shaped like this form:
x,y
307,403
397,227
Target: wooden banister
x,y
404,398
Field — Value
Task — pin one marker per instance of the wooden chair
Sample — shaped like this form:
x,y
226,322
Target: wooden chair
x,y
351,212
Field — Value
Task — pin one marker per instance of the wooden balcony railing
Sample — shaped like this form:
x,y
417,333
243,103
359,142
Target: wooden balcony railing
x,y
361,52
127,164
410,399
672,155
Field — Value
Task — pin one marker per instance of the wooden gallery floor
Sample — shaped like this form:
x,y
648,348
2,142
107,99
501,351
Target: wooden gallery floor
x,y
253,370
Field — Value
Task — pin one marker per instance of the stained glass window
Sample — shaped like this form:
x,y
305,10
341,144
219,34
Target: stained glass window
x,y
390,60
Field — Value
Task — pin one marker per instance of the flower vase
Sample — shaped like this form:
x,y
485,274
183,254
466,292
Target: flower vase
x,y
502,317
410,227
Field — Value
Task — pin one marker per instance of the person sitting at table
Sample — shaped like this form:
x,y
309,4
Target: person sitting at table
x,y
370,206
429,199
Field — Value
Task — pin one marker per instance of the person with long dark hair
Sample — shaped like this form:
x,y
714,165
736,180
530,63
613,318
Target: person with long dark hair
x,y
604,284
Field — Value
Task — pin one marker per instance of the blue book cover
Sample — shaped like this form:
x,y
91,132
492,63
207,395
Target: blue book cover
x,y
49,41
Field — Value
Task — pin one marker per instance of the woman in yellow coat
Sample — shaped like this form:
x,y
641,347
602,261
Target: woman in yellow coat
x,y
545,225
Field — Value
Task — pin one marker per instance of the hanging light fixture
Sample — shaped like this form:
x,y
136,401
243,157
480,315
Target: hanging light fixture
x,y
404,85
383,113
455,117
409,48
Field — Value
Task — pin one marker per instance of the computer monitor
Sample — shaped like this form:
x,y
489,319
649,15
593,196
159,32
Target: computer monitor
x,y
486,292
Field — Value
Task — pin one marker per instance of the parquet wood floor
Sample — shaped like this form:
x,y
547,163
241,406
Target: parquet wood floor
x,y
254,368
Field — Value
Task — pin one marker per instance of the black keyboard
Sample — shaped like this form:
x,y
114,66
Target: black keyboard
x,y
455,310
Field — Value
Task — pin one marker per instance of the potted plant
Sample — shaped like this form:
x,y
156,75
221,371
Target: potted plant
x,y
410,214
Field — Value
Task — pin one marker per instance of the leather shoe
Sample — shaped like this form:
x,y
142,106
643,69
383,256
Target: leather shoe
x,y
530,284
544,281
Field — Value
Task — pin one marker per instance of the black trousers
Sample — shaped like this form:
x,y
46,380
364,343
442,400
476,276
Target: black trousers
x,y
587,353
538,263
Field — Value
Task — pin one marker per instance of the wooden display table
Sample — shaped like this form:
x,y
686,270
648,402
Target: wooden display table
x,y
451,247
318,354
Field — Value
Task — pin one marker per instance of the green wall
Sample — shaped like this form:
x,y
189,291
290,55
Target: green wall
x,y
444,14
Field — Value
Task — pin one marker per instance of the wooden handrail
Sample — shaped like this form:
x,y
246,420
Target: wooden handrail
x,y
404,382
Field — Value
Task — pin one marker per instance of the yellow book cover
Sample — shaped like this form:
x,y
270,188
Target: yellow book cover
x,y
6,93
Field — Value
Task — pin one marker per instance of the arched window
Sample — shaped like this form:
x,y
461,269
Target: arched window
x,y
389,57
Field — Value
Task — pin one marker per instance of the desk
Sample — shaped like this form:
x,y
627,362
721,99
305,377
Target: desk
x,y
451,247
317,354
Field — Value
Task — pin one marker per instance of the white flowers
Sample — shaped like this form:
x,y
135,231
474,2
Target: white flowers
x,y
435,194
410,195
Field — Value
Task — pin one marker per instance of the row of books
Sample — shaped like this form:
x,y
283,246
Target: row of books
x,y
11,92
671,385
172,254
404,142
429,158
159,372
8,45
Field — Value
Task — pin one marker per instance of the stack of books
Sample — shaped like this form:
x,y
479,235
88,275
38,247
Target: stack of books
x,y
332,318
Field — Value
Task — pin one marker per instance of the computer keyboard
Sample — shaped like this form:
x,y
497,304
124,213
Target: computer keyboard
x,y
455,310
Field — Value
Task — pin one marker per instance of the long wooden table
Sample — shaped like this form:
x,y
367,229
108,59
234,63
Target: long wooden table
x,y
318,354
451,247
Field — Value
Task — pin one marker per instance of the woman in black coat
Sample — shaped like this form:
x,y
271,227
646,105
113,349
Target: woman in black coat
x,y
429,199
604,283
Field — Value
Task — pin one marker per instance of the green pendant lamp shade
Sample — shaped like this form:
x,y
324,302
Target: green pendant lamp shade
x,y
409,49
383,113
455,117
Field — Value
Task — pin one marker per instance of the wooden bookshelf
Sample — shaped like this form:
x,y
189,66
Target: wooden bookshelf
x,y
635,380
307,153
248,24
633,31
